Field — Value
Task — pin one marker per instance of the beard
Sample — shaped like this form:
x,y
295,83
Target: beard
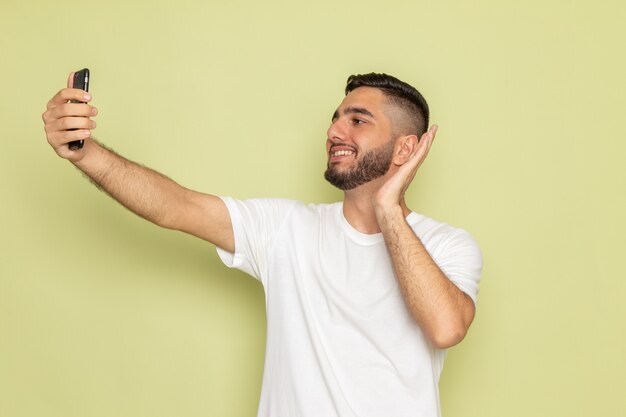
x,y
374,164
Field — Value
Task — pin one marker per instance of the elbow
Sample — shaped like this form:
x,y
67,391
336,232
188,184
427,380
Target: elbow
x,y
451,330
448,337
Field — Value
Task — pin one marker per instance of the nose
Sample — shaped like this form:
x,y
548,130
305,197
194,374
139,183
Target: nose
x,y
336,132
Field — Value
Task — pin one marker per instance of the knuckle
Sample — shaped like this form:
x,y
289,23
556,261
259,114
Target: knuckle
x,y
50,139
65,94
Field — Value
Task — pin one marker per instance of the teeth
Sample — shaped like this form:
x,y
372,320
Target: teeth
x,y
342,153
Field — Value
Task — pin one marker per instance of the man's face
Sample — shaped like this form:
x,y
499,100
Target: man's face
x,y
359,145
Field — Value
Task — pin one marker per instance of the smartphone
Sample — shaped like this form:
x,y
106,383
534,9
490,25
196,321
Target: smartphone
x,y
81,80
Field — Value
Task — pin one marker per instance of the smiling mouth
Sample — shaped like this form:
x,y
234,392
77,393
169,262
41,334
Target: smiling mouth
x,y
341,153
338,152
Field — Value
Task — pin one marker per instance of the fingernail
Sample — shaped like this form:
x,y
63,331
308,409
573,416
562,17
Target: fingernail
x,y
87,97
94,111
85,133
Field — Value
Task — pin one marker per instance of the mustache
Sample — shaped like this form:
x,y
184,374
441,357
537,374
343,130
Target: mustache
x,y
341,145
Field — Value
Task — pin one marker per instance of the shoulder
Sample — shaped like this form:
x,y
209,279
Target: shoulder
x,y
282,208
260,204
298,207
439,237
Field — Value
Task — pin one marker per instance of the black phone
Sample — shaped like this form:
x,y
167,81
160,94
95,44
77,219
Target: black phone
x,y
81,80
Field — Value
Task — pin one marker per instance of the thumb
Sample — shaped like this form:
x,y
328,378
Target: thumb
x,y
70,80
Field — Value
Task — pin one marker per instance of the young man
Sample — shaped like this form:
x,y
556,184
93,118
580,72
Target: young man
x,y
363,296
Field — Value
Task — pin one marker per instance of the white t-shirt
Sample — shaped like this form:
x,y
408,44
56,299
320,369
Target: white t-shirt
x,y
340,340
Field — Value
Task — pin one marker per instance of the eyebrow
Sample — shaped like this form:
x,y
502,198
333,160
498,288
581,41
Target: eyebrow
x,y
354,110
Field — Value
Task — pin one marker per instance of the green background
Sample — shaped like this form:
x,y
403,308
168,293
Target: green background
x,y
104,314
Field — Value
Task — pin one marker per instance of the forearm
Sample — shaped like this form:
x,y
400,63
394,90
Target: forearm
x,y
142,190
442,311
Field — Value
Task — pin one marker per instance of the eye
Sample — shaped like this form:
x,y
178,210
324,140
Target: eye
x,y
358,121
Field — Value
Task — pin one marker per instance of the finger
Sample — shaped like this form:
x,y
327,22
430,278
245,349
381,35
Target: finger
x,y
58,139
423,145
414,161
430,134
67,123
433,131
427,139
71,109
421,150
67,94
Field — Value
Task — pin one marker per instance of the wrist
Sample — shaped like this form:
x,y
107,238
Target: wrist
x,y
78,156
93,158
386,213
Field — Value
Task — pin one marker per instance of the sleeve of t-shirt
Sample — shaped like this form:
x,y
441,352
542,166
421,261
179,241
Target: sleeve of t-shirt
x,y
255,223
461,261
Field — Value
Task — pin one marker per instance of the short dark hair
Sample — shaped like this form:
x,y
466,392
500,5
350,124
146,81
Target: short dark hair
x,y
398,92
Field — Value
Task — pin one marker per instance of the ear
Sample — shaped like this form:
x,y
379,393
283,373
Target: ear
x,y
405,148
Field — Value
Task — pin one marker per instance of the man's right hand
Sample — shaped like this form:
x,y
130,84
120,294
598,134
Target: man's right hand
x,y
62,116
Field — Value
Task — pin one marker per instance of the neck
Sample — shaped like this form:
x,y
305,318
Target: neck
x,y
358,207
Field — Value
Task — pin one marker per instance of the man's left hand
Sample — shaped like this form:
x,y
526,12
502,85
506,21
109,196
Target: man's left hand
x,y
392,192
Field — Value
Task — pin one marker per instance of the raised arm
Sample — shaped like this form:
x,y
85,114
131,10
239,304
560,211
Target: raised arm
x,y
439,307
142,190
